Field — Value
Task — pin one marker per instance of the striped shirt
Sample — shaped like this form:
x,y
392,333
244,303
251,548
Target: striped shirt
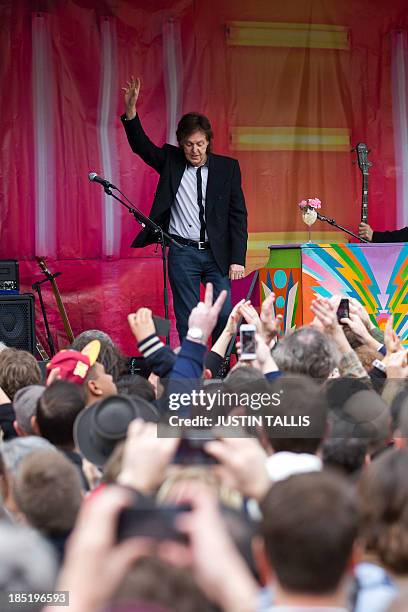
x,y
184,218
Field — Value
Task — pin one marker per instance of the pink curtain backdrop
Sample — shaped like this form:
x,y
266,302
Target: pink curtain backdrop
x,y
61,75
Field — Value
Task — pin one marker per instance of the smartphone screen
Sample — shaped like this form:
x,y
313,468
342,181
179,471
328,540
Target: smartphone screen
x,y
191,451
343,310
156,522
162,326
248,342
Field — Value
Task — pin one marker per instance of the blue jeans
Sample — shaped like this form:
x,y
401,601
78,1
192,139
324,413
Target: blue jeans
x,y
188,267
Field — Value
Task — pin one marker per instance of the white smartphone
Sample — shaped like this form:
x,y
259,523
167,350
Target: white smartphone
x,y
248,342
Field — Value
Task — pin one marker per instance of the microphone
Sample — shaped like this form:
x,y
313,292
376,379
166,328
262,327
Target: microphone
x,y
98,179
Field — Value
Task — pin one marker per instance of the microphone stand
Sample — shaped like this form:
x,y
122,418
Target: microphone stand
x,y
163,238
340,227
37,287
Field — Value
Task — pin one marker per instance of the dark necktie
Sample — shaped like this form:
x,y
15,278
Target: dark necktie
x,y
200,205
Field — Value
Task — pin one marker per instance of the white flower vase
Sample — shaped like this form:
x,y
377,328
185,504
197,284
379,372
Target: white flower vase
x,y
309,216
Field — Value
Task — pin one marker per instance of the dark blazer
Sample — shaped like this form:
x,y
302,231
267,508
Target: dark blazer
x,y
400,235
226,214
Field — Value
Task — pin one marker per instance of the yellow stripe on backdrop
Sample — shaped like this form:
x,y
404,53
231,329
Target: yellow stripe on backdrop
x,y
270,34
291,138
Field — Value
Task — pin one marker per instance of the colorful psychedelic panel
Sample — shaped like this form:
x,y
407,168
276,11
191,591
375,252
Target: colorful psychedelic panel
x,y
282,275
375,274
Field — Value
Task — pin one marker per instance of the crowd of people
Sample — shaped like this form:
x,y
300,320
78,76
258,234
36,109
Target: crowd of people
x,y
297,502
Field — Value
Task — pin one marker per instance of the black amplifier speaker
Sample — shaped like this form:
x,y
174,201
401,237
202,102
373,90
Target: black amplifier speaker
x,y
9,277
17,321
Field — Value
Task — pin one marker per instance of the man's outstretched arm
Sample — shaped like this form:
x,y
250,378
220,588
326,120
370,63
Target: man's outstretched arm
x,y
366,231
139,142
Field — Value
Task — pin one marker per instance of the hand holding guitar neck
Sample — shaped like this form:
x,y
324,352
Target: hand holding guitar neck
x,y
365,231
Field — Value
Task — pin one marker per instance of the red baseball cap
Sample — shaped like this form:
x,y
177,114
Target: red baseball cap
x,y
74,365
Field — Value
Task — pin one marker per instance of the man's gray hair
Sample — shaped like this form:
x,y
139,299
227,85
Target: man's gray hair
x,y
3,346
25,406
87,336
13,451
306,351
27,564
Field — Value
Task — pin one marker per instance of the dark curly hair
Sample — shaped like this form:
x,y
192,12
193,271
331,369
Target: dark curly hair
x,y
192,122
114,362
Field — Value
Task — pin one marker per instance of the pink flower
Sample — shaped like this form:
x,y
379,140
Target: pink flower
x,y
310,203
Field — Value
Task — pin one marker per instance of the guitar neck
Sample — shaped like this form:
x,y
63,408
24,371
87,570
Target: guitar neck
x,y
364,199
41,350
62,311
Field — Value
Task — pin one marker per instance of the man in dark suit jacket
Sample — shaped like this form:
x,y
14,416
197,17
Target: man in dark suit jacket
x,y
199,201
365,231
